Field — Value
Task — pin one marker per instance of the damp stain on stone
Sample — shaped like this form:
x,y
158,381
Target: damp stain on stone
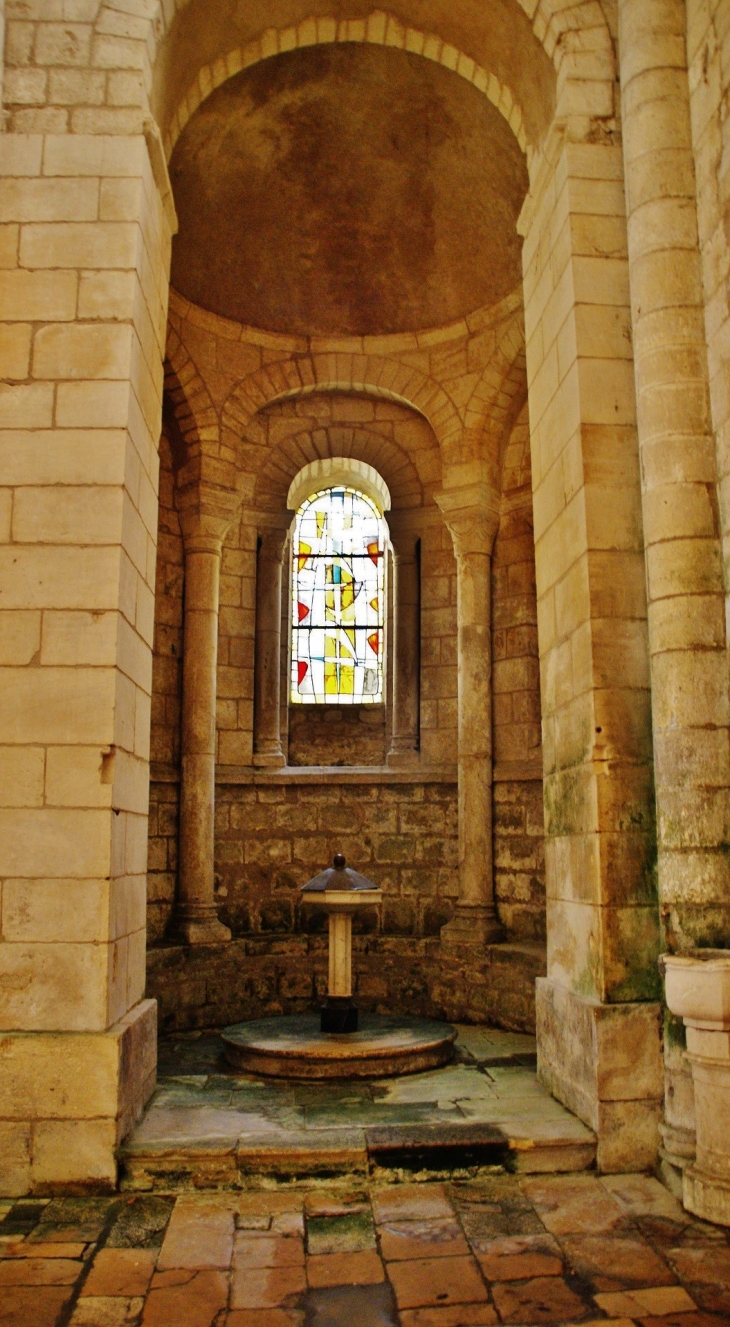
x,y
347,190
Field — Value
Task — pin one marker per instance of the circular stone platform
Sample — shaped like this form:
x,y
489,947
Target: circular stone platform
x,y
294,1047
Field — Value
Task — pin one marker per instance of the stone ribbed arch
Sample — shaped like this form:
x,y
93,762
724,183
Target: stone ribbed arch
x,y
294,443
207,480
341,372
576,35
378,29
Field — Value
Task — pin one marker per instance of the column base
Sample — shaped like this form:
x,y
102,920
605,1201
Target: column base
x,y
604,1063
407,759
67,1100
706,1196
269,759
472,927
202,928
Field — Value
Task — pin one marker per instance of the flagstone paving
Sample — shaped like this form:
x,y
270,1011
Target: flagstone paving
x,y
207,1126
508,1249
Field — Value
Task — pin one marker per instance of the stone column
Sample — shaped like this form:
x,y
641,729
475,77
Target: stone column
x,y
197,918
406,644
687,645
472,521
267,672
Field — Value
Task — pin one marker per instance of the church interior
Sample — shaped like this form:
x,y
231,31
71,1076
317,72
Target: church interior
x,y
364,688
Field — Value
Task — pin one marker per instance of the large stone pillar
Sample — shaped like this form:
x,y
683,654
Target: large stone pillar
x,y
406,651
472,518
687,644
267,672
79,429
197,917
598,1017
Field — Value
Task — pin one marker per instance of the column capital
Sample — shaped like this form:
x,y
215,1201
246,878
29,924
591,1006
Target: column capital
x,y
472,515
206,513
403,535
273,541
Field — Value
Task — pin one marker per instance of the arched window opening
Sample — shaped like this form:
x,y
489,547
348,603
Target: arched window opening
x,y
338,593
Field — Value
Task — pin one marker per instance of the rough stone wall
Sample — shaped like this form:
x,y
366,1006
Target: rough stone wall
x,y
337,734
272,839
259,975
519,861
236,626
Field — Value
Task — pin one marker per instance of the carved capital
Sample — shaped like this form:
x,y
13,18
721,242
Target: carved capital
x,y
273,541
472,516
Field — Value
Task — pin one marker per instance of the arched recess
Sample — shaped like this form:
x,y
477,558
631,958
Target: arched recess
x,y
396,441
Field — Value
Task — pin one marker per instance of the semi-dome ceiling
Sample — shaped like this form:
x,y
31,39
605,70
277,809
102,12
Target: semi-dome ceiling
x,y
347,190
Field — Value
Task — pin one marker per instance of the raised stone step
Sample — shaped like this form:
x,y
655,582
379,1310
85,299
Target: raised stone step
x,y
484,1111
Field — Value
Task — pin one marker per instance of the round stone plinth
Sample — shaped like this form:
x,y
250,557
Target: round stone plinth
x,y
294,1047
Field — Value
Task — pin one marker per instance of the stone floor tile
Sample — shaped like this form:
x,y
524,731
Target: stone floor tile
x,y
140,1221
254,1250
696,1319
103,1311
342,1269
457,1315
265,1287
288,1223
643,1195
422,1239
185,1298
498,1264
349,1232
36,1306
120,1272
657,1302
410,1202
616,1262
39,1272
706,1270
573,1204
322,1203
436,1281
200,1235
351,1306
269,1203
544,1299
264,1318
27,1249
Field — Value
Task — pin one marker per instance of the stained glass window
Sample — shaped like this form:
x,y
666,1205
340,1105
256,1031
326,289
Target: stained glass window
x,y
337,600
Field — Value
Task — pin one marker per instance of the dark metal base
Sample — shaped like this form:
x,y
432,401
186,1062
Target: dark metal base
x,y
338,1014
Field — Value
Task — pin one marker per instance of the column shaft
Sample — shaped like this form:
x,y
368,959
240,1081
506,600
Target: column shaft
x,y
340,955
472,528
679,501
406,648
197,916
267,675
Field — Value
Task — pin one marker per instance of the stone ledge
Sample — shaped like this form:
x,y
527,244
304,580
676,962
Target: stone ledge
x,y
509,771
233,775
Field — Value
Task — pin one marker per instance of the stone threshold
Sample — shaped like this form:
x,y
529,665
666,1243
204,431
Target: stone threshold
x,y
485,1111
517,771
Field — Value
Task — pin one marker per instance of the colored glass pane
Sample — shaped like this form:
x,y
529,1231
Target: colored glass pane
x,y
337,600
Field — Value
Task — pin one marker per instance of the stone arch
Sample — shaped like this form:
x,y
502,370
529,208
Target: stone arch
x,y
194,411
576,37
378,29
341,372
359,442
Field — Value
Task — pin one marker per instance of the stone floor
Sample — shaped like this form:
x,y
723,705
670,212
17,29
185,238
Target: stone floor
x,y
555,1249
206,1127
